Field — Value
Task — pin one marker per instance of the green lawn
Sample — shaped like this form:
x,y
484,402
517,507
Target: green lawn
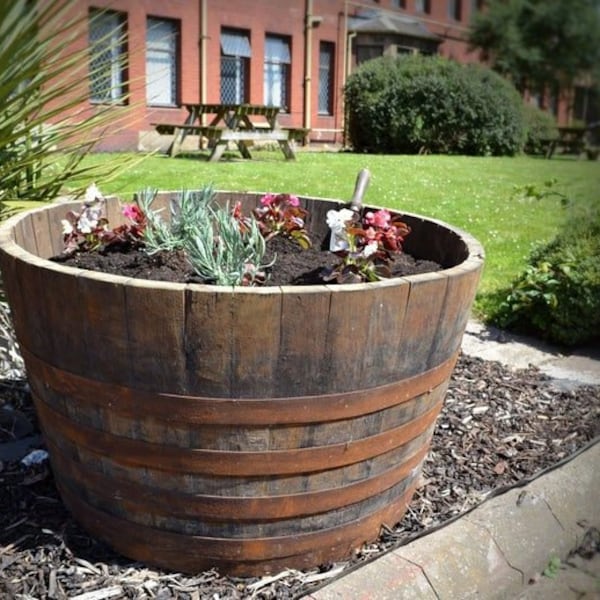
x,y
473,193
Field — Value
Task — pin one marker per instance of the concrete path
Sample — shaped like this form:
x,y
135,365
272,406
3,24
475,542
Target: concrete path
x,y
569,368
501,549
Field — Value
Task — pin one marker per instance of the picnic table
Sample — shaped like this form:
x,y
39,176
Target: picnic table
x,y
571,140
243,124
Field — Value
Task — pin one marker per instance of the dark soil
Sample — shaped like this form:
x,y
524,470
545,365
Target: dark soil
x,y
293,265
498,428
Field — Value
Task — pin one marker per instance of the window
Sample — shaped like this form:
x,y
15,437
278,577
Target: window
x,y
235,55
107,56
586,105
476,6
422,6
454,9
161,62
277,71
399,3
326,54
364,53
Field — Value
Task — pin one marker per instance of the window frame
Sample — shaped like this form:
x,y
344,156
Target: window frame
x,y
366,52
423,6
273,67
114,42
240,63
455,10
329,73
175,54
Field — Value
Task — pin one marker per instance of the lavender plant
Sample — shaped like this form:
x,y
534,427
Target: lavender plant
x,y
223,252
221,247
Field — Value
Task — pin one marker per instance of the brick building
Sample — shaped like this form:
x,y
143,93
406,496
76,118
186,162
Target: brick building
x,y
295,54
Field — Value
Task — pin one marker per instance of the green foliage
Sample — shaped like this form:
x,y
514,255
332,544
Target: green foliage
x,y
43,80
532,191
540,125
223,253
221,248
552,568
417,104
188,210
281,214
539,44
365,242
557,296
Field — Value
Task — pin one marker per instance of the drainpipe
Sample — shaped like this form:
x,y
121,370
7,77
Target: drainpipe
x,y
308,25
351,36
203,50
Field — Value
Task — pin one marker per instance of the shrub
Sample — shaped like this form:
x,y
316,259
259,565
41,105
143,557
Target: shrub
x,y
417,104
540,125
557,297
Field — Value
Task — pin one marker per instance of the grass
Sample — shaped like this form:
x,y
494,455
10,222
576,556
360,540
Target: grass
x,y
476,194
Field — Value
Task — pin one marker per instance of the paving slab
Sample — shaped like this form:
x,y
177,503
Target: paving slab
x,y
497,549
464,562
525,529
575,579
389,578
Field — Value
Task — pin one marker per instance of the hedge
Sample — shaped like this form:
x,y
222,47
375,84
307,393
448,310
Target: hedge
x,y
418,104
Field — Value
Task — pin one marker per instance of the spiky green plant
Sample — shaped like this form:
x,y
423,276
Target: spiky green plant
x,y
220,248
43,83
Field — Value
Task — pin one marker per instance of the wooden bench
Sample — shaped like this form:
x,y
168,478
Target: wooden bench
x,y
297,134
218,137
570,140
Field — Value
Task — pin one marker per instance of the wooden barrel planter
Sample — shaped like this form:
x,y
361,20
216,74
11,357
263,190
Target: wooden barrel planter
x,y
249,429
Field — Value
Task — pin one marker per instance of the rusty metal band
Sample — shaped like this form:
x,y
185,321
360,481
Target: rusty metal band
x,y
190,552
138,453
136,497
173,408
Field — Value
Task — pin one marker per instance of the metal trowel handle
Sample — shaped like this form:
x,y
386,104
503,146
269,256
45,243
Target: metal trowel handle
x,y
360,187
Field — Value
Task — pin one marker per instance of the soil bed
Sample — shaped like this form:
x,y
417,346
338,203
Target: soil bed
x,y
293,266
498,427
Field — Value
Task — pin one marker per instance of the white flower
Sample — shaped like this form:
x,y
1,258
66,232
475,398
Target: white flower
x,y
370,249
67,228
337,220
92,194
86,223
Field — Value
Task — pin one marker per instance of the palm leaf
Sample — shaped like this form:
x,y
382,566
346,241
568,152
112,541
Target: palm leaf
x,y
47,125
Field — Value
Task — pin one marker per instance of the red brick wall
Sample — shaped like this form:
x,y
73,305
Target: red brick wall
x,y
133,123
286,19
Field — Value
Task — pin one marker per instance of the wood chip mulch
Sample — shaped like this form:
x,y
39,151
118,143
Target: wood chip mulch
x,y
499,428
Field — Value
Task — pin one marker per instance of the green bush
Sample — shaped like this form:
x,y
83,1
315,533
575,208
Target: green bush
x,y
418,104
539,125
557,297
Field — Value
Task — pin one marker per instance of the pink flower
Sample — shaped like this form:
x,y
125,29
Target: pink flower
x,y
293,201
371,234
236,213
132,211
268,199
381,219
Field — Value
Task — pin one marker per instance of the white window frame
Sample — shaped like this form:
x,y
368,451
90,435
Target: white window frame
x,y
235,54
162,61
277,71
106,40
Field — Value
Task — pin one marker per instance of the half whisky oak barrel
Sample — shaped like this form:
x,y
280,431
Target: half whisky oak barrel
x,y
250,429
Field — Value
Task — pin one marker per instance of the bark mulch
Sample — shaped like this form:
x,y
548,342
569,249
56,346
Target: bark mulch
x,y
498,429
